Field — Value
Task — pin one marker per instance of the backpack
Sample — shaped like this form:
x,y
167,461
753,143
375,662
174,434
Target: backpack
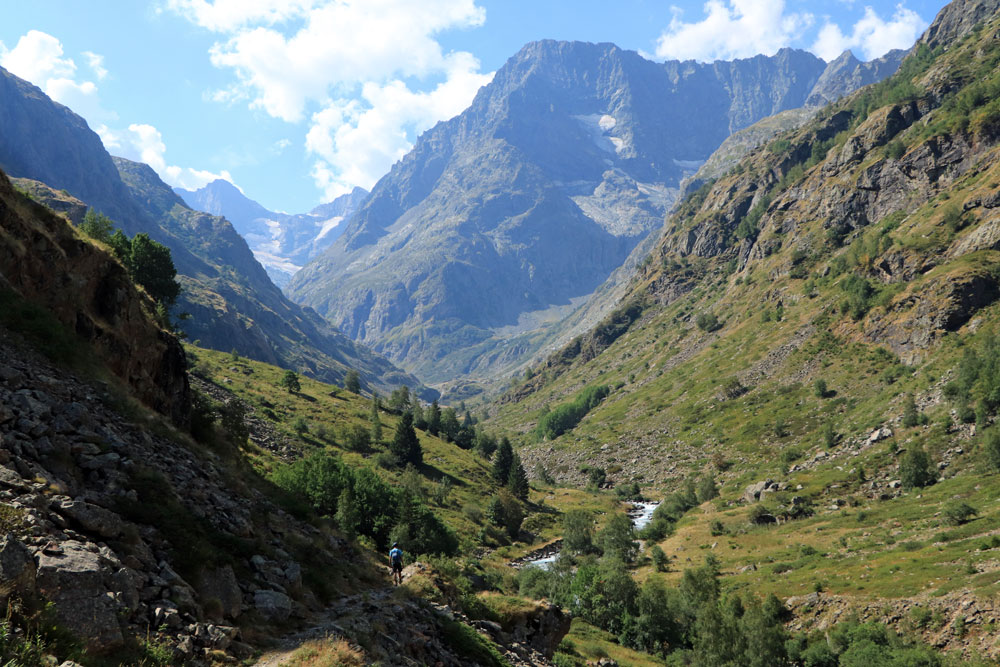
x,y
396,556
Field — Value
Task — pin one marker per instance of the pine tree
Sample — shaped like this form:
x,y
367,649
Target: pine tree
x,y
434,418
290,381
502,462
517,479
352,382
405,445
419,419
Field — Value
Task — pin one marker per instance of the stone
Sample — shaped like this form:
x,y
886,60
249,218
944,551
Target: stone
x,y
92,518
879,434
273,605
754,491
76,581
221,585
17,568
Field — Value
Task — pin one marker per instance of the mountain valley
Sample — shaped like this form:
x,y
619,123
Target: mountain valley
x,y
772,325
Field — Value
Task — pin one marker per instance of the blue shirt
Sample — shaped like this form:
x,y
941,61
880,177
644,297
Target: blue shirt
x,y
395,554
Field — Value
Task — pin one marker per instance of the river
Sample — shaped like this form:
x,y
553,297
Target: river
x,y
641,514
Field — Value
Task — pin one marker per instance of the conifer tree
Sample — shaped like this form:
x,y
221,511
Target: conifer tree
x,y
419,418
502,462
517,479
433,417
405,445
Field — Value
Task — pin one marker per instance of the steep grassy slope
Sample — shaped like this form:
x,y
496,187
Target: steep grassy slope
x,y
793,307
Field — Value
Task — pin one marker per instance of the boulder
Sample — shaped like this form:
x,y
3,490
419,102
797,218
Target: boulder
x,y
879,434
221,584
273,605
754,492
17,569
91,518
80,584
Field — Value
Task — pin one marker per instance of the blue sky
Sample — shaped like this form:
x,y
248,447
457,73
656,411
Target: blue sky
x,y
296,101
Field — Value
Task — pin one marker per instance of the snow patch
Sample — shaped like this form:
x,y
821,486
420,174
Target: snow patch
x,y
599,125
689,164
328,225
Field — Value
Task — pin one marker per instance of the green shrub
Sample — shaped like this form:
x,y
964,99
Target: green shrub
x,y
566,416
915,470
956,513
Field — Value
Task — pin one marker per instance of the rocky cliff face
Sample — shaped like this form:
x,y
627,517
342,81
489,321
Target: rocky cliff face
x,y
88,291
281,242
134,536
504,219
846,74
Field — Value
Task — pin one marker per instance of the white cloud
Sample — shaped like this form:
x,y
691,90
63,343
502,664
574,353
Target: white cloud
x,y
96,63
732,29
229,15
38,57
144,143
872,36
356,70
357,140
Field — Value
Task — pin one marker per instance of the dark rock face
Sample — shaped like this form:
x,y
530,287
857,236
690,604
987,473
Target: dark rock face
x,y
91,294
956,20
534,195
91,538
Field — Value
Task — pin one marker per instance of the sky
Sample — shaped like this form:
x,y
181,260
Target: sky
x,y
298,101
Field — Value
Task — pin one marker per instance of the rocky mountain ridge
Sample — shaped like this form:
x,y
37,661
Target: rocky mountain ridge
x,y
458,263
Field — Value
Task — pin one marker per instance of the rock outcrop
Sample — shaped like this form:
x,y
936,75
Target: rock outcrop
x,y
90,293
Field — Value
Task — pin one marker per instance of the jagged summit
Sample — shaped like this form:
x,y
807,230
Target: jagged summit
x,y
505,218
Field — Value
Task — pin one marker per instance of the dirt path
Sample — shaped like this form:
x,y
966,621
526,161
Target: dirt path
x,y
325,625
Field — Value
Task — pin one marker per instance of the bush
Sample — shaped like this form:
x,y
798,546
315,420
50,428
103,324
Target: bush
x,y
708,322
566,416
820,388
915,469
661,561
578,532
991,447
957,513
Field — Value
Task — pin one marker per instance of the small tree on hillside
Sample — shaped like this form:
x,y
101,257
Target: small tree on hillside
x,y
578,532
405,445
517,480
97,226
915,469
707,489
618,538
450,425
290,381
433,416
152,267
911,416
399,400
352,381
502,462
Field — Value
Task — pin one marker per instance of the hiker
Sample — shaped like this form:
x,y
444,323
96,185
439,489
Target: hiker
x,y
396,563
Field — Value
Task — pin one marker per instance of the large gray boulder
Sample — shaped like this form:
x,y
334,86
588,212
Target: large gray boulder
x,y
221,585
17,569
87,593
